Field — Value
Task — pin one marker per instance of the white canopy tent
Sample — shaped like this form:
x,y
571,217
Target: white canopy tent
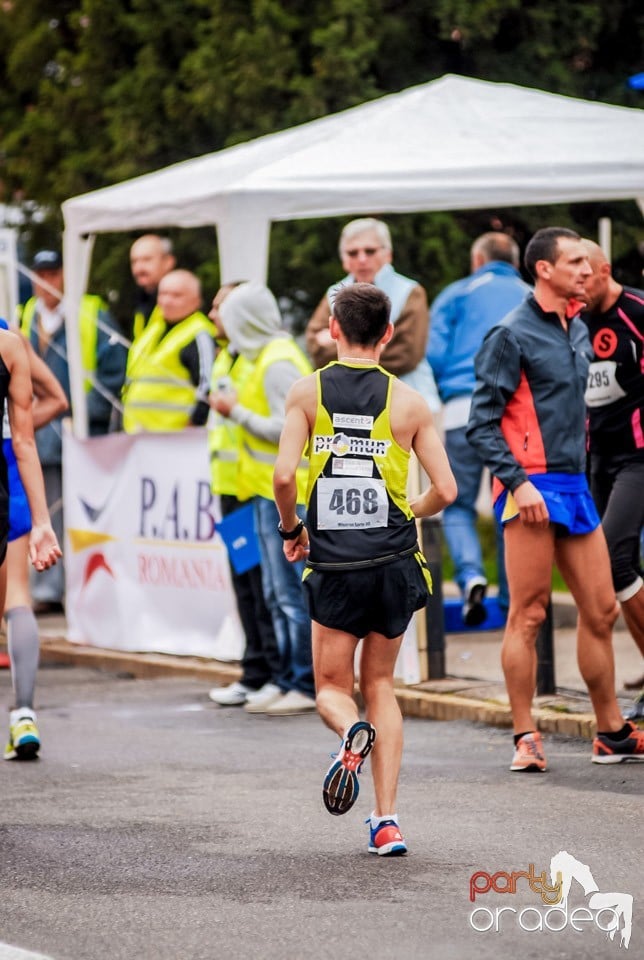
x,y
453,143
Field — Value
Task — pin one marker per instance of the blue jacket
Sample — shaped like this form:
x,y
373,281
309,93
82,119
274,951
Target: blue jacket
x,y
110,372
528,413
461,315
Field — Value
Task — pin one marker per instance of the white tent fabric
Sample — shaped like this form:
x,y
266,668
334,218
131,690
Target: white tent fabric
x,y
453,143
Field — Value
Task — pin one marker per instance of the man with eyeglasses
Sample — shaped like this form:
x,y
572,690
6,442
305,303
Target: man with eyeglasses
x,y
366,254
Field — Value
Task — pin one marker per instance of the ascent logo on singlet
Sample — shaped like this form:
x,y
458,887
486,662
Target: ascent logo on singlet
x,y
355,420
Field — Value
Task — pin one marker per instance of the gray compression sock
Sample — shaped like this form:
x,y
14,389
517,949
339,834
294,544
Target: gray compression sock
x,y
22,640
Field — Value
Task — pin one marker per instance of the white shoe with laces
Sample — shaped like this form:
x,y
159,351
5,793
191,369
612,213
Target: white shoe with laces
x,y
259,700
234,695
290,704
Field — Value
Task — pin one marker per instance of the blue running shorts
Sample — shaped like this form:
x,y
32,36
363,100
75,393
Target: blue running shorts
x,y
19,513
570,505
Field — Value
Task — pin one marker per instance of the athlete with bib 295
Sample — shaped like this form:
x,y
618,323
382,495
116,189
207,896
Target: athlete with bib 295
x,y
365,575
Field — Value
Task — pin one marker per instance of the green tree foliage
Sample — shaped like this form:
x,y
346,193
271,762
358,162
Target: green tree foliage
x,y
97,91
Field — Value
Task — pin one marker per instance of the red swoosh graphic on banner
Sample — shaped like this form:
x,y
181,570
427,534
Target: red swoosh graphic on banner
x,y
96,562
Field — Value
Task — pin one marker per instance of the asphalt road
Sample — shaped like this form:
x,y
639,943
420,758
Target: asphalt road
x,y
157,826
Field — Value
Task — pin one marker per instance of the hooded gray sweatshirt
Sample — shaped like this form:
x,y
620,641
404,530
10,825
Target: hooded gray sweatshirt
x,y
251,318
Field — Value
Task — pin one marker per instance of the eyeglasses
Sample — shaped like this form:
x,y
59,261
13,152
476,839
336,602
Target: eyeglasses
x,y
368,252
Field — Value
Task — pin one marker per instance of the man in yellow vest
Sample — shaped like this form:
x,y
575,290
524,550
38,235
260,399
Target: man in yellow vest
x,y
151,258
261,659
168,367
252,323
42,321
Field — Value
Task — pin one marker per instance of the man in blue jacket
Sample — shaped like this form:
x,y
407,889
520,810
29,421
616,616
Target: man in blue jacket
x,y
460,317
42,321
528,421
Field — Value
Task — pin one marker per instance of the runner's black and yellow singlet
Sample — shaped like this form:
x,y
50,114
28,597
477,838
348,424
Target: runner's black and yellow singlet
x,y
358,511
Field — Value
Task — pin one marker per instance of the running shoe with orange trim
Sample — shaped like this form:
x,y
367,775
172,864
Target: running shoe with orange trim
x,y
340,790
386,839
529,755
619,751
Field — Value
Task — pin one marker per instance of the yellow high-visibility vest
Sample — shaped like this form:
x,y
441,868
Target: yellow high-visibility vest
x,y
158,394
257,457
90,307
224,436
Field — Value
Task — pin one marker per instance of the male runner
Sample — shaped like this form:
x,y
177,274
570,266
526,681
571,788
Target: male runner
x,y
365,575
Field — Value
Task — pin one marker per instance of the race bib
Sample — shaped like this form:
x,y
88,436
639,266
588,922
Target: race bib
x,y
351,503
602,387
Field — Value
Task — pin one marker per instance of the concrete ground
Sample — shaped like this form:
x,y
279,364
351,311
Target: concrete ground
x,y
473,688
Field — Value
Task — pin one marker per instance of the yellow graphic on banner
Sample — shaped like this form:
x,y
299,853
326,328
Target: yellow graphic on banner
x,y
82,539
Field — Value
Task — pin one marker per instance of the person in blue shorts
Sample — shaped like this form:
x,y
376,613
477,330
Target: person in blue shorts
x,y
49,401
527,422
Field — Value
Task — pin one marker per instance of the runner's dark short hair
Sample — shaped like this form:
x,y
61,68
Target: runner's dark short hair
x,y
544,246
363,311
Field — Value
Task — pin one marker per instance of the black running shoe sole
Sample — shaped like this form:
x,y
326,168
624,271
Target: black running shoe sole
x,y
27,751
341,787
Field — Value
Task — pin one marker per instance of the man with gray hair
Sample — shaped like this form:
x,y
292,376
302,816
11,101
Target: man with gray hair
x,y
366,254
151,258
460,317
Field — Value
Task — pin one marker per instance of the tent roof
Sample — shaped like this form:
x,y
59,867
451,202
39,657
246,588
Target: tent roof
x,y
452,143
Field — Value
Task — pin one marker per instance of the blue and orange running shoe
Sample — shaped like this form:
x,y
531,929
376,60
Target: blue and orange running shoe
x,y
386,839
619,751
340,790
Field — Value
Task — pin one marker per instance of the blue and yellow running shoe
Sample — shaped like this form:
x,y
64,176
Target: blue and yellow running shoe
x,y
24,739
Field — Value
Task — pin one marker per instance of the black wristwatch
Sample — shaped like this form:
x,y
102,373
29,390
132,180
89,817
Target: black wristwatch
x,y
290,534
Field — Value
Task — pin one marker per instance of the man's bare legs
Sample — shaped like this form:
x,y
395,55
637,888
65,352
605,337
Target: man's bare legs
x,y
377,687
585,566
529,554
333,658
633,611
333,667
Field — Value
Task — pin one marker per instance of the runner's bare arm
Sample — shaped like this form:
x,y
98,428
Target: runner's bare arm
x,y
300,402
433,459
43,545
49,397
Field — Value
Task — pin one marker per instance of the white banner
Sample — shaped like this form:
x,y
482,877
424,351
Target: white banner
x,y
145,568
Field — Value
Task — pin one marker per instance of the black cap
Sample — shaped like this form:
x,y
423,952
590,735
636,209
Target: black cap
x,y
47,260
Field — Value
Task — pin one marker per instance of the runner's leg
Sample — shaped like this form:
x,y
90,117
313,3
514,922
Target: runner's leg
x,y
529,555
585,566
377,663
333,658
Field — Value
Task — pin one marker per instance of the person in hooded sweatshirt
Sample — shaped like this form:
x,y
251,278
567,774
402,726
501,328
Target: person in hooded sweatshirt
x,y
252,323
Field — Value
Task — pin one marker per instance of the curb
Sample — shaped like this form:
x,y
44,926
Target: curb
x,y
413,702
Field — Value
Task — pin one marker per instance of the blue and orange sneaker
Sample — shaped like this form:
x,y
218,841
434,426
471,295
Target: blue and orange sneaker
x,y
386,839
619,751
340,790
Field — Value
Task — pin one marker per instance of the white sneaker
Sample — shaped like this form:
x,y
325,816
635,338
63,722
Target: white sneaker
x,y
258,700
291,703
231,696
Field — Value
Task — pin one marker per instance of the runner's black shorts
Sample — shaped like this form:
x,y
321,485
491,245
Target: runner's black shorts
x,y
379,599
